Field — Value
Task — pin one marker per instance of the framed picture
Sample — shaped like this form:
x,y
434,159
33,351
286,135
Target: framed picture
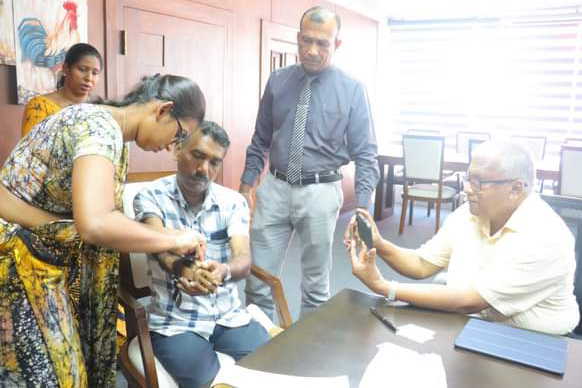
x,y
43,31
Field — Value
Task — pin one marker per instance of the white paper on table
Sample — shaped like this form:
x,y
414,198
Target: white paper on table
x,y
241,377
416,333
395,366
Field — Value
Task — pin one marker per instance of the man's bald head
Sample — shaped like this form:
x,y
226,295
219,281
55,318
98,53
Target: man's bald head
x,y
512,160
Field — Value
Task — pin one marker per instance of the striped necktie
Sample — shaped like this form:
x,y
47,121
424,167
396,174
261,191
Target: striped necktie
x,y
296,144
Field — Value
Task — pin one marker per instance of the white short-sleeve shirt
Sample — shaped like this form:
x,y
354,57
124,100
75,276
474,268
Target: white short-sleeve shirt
x,y
525,271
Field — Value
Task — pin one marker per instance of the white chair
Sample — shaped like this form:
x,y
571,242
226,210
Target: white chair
x,y
536,144
136,359
576,141
537,147
570,183
423,174
464,139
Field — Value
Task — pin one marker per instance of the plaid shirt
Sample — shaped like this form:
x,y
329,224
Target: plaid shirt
x,y
224,213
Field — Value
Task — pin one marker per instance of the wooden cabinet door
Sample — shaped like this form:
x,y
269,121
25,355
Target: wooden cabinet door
x,y
191,40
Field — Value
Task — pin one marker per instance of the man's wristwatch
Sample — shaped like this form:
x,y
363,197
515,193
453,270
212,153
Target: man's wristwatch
x,y
392,291
228,275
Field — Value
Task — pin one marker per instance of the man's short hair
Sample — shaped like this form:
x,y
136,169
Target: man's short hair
x,y
511,159
215,131
319,15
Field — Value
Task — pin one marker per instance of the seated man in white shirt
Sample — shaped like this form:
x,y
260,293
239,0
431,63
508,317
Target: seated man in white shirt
x,y
509,256
189,320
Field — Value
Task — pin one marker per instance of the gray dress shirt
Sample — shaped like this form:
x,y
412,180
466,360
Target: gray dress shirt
x,y
339,127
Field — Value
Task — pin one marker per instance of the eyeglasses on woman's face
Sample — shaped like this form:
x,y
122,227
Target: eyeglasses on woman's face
x,y
181,134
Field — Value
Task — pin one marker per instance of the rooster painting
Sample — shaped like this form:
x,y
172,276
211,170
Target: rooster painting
x,y
46,29
7,50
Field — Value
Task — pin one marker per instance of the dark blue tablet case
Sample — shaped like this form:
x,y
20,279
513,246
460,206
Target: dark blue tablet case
x,y
542,351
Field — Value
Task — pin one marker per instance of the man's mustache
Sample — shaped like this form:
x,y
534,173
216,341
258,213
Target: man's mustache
x,y
199,178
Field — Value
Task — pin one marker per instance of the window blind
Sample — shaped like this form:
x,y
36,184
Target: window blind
x,y
519,74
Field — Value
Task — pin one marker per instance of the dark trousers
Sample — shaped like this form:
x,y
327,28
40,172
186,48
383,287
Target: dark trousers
x,y
191,359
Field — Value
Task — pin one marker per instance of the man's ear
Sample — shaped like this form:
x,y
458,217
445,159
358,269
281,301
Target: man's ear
x,y
162,108
518,187
338,43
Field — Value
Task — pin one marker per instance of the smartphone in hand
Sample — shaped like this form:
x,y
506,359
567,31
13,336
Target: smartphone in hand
x,y
365,231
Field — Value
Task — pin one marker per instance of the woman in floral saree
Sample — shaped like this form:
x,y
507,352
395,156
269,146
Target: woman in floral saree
x,y
61,227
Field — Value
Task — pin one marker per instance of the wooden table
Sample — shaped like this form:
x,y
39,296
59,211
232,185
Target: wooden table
x,y
340,338
391,155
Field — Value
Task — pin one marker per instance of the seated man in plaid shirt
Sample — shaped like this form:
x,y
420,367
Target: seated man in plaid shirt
x,y
189,319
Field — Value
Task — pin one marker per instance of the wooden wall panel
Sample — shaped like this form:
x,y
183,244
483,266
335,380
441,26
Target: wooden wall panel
x,y
245,97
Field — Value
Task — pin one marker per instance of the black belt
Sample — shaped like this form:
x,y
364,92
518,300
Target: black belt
x,y
309,178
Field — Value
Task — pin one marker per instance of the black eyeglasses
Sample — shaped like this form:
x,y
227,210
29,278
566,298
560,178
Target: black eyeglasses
x,y
476,184
181,134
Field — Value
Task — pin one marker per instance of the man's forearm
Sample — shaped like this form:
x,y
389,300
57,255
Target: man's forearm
x,y
438,297
240,266
404,261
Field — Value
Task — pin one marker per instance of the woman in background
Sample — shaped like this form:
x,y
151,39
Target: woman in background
x,y
80,75
61,229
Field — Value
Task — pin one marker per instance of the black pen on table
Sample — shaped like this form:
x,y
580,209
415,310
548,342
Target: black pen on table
x,y
384,320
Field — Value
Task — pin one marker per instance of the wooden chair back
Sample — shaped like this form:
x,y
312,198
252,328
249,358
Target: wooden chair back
x,y
570,183
423,158
464,140
536,145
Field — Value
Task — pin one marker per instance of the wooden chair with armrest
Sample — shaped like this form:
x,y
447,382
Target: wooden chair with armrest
x,y
136,358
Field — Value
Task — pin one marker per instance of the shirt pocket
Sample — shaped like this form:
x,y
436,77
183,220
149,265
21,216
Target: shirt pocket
x,y
217,247
332,124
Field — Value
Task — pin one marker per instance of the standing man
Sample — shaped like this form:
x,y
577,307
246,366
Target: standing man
x,y
313,119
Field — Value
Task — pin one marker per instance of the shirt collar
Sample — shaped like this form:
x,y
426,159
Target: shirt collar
x,y
209,201
320,77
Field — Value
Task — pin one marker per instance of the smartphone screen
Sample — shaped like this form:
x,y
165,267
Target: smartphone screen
x,y
365,231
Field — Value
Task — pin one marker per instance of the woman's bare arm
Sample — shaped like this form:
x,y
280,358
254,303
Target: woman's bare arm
x,y
99,223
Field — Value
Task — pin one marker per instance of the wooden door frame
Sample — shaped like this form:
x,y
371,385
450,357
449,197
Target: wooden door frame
x,y
272,31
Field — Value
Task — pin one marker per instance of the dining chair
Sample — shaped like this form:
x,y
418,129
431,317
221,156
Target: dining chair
x,y
570,183
423,175
398,174
136,358
473,143
464,140
537,147
577,141
536,144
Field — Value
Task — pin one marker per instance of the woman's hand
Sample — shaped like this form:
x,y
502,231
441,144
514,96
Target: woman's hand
x,y
364,266
189,242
